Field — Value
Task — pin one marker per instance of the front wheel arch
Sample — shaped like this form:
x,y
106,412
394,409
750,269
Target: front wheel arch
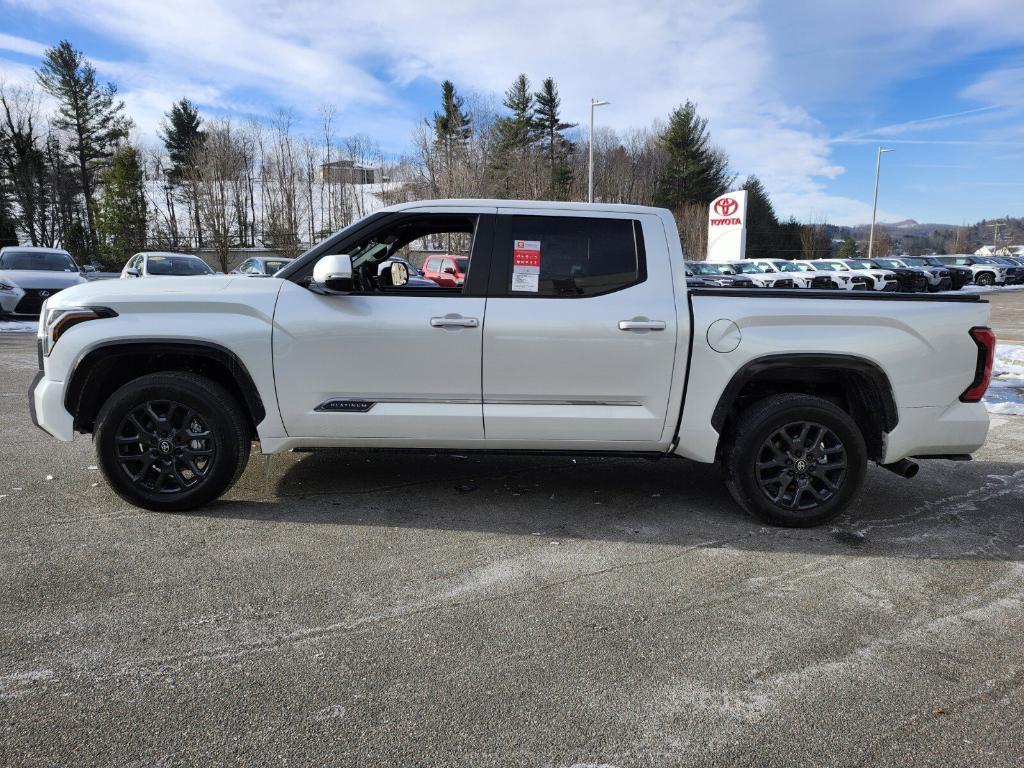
x,y
106,367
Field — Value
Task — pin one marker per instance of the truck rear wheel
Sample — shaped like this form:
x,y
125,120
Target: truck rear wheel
x,y
172,441
795,460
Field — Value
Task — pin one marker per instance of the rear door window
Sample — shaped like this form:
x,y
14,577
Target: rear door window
x,y
567,257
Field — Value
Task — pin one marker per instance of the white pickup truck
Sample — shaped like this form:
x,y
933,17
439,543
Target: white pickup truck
x,y
574,331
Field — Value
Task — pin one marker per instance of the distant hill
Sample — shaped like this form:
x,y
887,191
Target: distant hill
x,y
910,236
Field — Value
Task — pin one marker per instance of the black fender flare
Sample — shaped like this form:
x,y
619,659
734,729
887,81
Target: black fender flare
x,y
82,385
821,362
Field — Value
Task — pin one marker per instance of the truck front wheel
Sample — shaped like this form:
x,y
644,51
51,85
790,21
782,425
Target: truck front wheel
x,y
794,460
171,441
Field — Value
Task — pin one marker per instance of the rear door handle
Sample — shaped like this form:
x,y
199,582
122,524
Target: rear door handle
x,y
454,321
642,325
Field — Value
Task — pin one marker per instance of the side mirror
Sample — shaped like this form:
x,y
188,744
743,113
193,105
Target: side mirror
x,y
133,272
334,273
449,270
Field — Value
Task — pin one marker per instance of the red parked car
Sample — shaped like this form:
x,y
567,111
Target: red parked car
x,y
446,270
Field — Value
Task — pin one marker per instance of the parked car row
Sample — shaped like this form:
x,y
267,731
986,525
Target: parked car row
x,y
29,274
904,274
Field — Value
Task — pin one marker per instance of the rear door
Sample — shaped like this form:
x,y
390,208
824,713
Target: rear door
x,y
580,337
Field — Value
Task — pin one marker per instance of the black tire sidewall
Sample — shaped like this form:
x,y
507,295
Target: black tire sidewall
x,y
743,455
208,399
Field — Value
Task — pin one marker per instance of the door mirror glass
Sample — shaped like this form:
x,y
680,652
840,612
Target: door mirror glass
x,y
393,274
334,273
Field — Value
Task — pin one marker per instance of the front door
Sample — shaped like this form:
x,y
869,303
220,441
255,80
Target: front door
x,y
580,339
388,362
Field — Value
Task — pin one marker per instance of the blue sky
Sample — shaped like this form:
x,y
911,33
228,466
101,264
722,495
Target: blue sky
x,y
800,93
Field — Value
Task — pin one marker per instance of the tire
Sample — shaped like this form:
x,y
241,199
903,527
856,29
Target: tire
x,y
985,278
761,434
193,441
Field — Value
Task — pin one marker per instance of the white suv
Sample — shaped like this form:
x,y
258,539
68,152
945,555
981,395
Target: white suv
x,y
763,274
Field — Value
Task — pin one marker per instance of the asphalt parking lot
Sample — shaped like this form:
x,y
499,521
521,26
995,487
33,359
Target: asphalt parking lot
x,y
392,609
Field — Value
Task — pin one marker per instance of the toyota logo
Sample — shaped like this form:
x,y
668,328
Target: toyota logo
x,y
43,294
726,206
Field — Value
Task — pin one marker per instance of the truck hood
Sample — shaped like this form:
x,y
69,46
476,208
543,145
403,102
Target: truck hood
x,y
40,278
153,294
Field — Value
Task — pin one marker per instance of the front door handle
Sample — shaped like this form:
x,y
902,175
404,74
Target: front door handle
x,y
454,321
642,325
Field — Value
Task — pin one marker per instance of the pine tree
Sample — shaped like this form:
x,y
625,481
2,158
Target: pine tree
x,y
121,219
452,131
89,112
694,171
549,128
848,249
762,224
789,245
182,134
513,136
183,137
516,130
8,227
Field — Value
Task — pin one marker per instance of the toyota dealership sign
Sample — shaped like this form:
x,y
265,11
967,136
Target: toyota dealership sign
x,y
727,227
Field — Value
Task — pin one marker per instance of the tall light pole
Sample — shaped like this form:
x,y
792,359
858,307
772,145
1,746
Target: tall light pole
x,y
590,165
874,206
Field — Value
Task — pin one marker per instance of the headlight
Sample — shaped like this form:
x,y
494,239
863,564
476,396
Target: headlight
x,y
6,286
54,323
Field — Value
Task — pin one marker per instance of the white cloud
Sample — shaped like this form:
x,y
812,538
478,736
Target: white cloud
x,y
1001,86
20,45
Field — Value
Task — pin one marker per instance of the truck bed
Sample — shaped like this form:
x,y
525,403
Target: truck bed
x,y
805,293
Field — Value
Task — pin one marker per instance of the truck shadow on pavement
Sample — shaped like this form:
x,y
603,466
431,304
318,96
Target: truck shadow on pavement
x,y
950,511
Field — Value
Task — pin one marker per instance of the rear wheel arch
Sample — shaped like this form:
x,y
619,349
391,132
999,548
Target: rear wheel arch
x,y
109,366
857,385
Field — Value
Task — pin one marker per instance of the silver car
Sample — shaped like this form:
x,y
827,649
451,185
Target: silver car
x,y
30,275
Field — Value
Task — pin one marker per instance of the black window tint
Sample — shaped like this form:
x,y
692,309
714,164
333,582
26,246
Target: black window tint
x,y
579,256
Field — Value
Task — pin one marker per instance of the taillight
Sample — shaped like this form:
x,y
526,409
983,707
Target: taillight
x,y
985,338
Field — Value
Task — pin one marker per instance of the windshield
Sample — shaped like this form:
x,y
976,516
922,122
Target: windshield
x,y
44,261
889,263
861,264
177,265
749,269
786,266
704,268
983,260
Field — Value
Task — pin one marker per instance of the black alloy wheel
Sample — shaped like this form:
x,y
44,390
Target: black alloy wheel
x,y
165,447
801,466
793,459
172,441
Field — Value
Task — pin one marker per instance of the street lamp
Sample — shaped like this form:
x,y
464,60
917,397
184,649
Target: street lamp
x,y
590,166
874,206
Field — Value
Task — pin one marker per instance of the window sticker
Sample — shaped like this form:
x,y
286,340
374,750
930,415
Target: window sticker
x,y
526,266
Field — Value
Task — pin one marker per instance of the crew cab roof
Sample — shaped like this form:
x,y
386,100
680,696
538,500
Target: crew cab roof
x,y
541,205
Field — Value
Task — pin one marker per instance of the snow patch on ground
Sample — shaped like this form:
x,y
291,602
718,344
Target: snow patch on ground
x,y
18,326
988,289
1006,394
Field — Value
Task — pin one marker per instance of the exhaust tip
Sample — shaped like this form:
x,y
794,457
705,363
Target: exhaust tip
x,y
904,468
